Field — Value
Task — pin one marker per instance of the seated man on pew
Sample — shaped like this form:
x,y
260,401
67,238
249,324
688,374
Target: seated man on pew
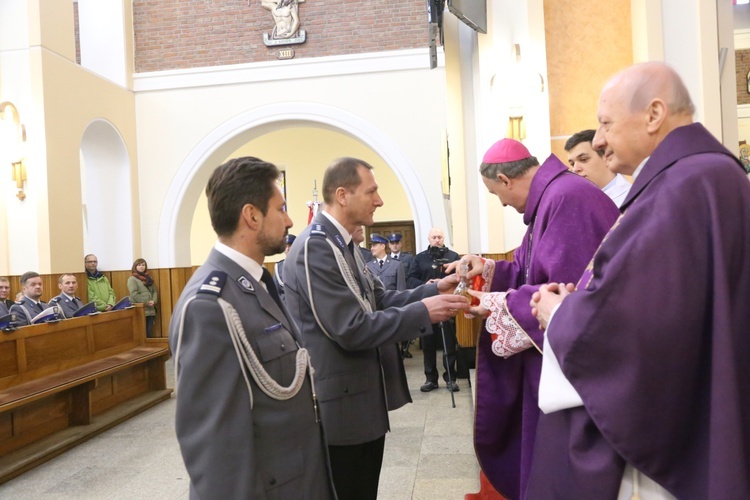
x,y
5,293
67,299
31,303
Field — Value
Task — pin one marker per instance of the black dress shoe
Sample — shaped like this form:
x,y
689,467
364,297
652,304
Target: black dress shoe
x,y
407,354
428,386
455,386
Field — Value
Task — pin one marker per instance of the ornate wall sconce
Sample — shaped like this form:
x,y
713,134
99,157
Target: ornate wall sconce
x,y
515,86
12,143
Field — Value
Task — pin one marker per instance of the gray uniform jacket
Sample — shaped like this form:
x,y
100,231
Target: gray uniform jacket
x,y
391,274
25,310
69,307
406,259
351,374
276,450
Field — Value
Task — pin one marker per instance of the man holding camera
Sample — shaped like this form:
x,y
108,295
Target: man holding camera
x,y
428,266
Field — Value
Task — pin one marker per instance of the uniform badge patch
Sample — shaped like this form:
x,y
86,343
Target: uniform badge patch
x,y
245,284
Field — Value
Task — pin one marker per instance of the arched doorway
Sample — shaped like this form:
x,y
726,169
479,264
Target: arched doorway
x,y
107,193
191,177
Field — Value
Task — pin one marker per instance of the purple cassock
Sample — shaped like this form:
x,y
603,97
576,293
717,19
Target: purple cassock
x,y
567,217
657,341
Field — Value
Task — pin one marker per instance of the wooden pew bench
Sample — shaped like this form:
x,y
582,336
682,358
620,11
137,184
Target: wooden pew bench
x,y
63,383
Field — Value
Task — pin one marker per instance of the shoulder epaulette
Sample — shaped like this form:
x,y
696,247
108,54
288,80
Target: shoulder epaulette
x,y
318,230
214,283
54,300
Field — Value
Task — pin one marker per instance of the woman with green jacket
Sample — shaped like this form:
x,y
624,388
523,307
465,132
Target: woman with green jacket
x,y
142,290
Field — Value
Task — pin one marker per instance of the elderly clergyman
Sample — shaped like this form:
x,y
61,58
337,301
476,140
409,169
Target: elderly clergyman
x,y
646,378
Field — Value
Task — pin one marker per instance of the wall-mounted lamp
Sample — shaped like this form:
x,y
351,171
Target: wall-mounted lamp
x,y
515,86
12,143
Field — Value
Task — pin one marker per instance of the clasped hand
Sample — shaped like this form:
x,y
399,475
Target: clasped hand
x,y
544,300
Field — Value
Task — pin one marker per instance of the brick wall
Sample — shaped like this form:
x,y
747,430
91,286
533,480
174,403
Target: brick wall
x,y
742,61
172,34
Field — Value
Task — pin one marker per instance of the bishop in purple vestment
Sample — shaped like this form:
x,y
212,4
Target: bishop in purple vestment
x,y
567,216
655,341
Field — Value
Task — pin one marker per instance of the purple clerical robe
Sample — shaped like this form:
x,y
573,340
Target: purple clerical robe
x,y
567,217
657,343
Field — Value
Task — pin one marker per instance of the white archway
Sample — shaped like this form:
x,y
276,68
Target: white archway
x,y
191,177
107,194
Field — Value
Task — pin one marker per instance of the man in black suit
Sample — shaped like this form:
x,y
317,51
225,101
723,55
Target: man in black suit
x,y
426,267
247,418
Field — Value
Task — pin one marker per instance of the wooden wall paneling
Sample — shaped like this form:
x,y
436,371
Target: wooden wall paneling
x,y
164,304
405,227
83,286
119,282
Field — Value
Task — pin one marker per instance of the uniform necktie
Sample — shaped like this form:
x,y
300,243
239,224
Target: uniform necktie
x,y
271,287
395,256
77,302
351,246
381,264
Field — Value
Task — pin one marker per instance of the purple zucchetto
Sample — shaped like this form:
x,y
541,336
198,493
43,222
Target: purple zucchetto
x,y
506,150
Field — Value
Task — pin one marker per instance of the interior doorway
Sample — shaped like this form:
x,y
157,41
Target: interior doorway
x,y
405,227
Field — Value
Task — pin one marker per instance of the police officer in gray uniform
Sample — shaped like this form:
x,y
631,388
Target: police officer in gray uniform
x,y
30,304
67,299
351,326
405,258
247,420
390,272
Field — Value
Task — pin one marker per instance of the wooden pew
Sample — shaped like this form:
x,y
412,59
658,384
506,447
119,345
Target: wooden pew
x,y
62,383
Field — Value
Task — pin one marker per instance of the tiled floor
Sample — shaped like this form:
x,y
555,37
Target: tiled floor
x,y
428,455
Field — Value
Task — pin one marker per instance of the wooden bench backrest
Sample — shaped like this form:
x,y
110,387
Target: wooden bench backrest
x,y
168,281
35,351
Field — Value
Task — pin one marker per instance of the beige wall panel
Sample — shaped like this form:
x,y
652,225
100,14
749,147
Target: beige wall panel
x,y
73,98
587,41
57,30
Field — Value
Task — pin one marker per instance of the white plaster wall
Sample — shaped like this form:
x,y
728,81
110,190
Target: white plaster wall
x,y
405,105
510,22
